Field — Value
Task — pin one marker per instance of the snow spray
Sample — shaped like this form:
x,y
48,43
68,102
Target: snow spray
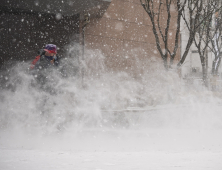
x,y
84,98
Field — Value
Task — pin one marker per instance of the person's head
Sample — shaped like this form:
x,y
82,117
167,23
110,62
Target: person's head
x,y
50,49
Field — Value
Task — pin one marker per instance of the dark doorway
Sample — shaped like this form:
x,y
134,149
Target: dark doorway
x,y
23,33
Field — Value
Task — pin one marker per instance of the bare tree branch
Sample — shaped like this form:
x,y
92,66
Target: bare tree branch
x,y
148,6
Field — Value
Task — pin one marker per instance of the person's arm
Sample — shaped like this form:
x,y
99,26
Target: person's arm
x,y
35,61
40,52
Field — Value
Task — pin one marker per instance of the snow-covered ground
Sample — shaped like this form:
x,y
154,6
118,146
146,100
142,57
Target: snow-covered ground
x,y
112,121
68,160
104,149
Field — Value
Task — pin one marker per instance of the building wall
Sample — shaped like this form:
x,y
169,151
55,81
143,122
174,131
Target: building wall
x,y
124,34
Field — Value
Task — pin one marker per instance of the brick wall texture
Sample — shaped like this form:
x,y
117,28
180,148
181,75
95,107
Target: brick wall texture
x,y
124,34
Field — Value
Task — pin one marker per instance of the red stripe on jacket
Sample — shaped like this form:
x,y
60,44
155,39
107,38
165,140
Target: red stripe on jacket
x,y
35,61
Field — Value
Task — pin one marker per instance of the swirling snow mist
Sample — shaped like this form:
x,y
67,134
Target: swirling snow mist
x,y
68,101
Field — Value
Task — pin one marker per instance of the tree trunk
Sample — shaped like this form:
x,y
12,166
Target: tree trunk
x,y
215,65
206,64
203,63
165,63
190,42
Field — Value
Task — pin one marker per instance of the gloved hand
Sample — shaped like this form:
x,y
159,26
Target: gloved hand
x,y
41,52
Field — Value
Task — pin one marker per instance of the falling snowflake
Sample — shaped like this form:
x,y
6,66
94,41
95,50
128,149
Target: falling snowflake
x,y
58,16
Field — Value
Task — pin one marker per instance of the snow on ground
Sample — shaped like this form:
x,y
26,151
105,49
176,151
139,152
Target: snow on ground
x,y
108,149
65,160
112,122
151,149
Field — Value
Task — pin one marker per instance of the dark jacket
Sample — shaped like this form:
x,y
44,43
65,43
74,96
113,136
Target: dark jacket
x,y
42,61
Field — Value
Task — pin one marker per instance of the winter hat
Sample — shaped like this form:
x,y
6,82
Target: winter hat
x,y
51,48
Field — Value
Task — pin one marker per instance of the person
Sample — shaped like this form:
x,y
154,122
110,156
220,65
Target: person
x,y
47,57
42,66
